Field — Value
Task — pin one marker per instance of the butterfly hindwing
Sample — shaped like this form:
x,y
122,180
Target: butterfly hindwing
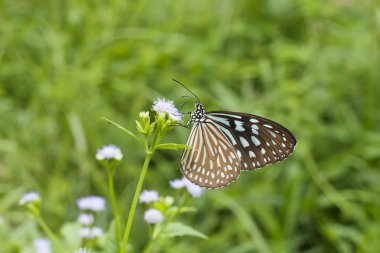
x,y
211,161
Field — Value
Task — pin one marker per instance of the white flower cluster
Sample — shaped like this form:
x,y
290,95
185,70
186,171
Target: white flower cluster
x,y
162,106
42,245
109,152
85,219
151,216
149,196
193,189
29,197
94,232
92,203
83,250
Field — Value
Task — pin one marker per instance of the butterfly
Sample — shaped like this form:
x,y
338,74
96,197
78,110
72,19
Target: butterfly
x,y
223,143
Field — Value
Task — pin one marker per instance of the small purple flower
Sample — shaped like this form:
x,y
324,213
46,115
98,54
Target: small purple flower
x,y
149,196
29,197
177,183
85,232
109,152
42,245
92,203
96,232
193,189
85,219
153,216
162,106
83,250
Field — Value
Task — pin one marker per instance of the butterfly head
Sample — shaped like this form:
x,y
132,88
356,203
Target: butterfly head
x,y
198,114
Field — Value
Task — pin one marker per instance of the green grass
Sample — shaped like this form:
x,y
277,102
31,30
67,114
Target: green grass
x,y
312,66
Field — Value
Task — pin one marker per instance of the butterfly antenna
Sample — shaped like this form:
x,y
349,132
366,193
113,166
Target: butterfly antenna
x,y
188,90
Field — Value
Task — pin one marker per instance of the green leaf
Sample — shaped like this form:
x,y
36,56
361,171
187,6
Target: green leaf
x,y
124,130
171,146
179,229
109,242
70,232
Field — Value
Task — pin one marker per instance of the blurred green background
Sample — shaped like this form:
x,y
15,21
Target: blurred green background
x,y
313,66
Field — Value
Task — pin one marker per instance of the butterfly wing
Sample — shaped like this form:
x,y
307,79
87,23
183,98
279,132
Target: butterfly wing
x,y
258,141
212,161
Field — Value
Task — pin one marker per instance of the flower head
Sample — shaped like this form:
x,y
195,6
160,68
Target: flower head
x,y
153,216
85,232
94,232
109,152
83,250
29,197
177,183
162,106
193,189
92,203
85,219
42,245
149,196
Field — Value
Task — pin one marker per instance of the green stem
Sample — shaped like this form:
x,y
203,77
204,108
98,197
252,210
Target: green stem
x,y
111,190
149,154
50,234
134,202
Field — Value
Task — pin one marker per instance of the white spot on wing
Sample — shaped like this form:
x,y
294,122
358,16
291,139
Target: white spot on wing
x,y
238,153
229,135
243,141
255,141
219,119
239,126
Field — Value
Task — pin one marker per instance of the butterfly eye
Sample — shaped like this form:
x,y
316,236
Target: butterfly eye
x,y
224,143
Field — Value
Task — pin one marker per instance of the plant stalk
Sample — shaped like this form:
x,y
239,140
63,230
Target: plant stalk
x,y
111,191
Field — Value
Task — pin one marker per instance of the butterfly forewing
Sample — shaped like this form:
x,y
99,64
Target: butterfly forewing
x,y
258,141
212,161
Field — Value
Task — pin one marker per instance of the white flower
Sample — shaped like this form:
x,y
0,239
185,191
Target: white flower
x,y
42,246
162,106
85,219
109,152
153,216
83,250
94,232
193,189
92,203
149,196
85,232
29,197
178,183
